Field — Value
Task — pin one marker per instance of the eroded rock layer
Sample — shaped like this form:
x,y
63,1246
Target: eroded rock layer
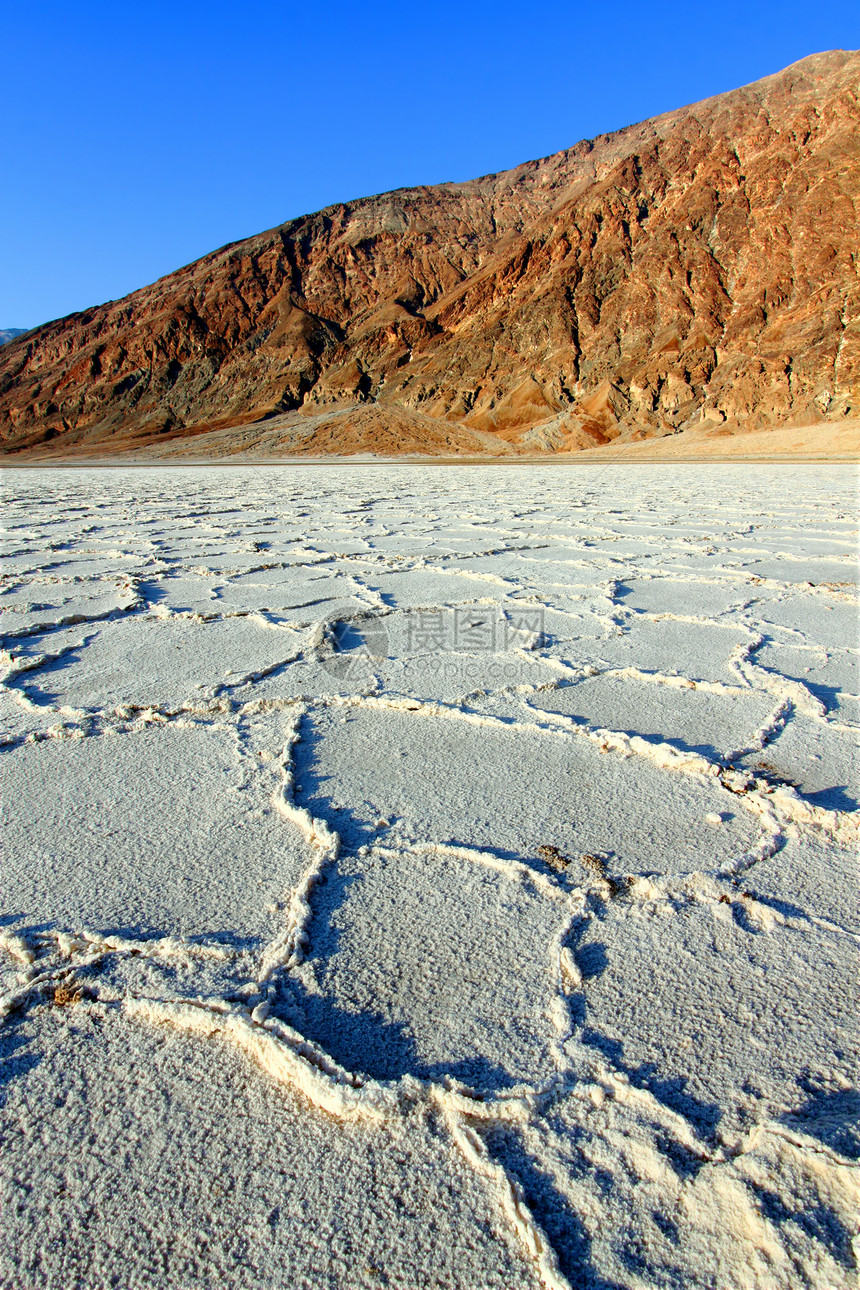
x,y
697,269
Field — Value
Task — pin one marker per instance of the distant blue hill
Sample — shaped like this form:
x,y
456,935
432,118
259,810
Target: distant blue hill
x,y
9,333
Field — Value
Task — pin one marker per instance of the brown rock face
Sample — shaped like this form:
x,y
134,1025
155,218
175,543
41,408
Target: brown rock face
x,y
702,268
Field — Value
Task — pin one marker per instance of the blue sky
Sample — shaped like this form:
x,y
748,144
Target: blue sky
x,y
137,137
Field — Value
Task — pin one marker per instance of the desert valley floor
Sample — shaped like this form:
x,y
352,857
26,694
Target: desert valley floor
x,y
429,876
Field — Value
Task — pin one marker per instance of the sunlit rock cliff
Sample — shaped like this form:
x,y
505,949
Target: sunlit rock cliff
x,y
696,270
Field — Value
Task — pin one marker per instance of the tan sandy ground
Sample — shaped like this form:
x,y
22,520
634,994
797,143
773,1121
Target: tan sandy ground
x,y
824,442
376,433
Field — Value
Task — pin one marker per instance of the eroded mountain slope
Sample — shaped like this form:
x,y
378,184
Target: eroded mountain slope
x,y
699,268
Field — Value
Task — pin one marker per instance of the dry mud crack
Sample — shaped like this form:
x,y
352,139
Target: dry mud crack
x,y
494,832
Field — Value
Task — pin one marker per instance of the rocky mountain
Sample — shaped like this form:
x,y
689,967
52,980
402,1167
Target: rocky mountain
x,y
9,333
699,269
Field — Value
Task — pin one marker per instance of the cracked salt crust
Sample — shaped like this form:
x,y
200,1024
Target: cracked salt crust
x,y
472,778
239,1175
833,675
166,662
392,993
150,829
283,922
708,720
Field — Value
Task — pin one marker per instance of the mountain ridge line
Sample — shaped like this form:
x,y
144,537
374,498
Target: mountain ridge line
x,y
692,274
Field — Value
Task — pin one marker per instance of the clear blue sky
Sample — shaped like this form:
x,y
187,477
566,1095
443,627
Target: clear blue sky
x,y
137,137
